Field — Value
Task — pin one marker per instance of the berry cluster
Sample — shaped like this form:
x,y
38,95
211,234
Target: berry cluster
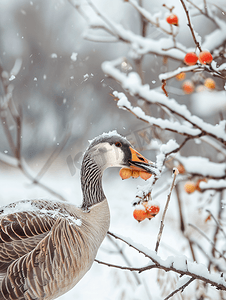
x,y
189,86
146,210
126,173
204,58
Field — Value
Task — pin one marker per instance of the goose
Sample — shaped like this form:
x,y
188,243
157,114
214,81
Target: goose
x,y
46,247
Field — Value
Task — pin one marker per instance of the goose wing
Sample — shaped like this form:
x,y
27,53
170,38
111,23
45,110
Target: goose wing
x,y
29,262
23,225
19,234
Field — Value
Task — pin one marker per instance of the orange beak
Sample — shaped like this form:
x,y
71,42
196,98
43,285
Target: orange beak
x,y
140,163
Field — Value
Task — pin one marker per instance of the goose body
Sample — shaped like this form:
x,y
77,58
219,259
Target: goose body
x,y
46,247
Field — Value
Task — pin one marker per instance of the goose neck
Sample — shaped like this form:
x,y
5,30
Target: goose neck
x,y
91,182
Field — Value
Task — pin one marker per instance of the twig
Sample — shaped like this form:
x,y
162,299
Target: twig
x,y
52,157
180,288
164,212
205,7
212,260
25,170
120,251
147,16
181,145
203,13
114,30
208,239
218,224
182,227
163,87
190,25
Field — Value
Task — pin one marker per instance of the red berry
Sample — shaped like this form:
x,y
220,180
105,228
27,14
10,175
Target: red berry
x,y
152,209
139,213
172,19
190,59
188,87
205,57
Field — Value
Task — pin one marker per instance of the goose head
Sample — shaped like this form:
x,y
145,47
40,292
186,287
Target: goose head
x,y
108,150
113,150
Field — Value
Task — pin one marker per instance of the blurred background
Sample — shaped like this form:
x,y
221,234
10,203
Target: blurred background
x,y
61,86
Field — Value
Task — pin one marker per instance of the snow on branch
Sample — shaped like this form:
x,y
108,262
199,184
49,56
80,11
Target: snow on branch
x,y
144,192
124,103
141,45
213,185
153,19
178,264
197,165
172,74
145,93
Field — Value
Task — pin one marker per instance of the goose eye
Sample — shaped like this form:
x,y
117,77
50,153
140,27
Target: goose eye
x,y
118,144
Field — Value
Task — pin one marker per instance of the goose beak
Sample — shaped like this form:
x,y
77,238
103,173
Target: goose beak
x,y
140,163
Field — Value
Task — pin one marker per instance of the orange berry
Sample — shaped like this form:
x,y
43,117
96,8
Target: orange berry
x,y
189,187
181,76
190,59
145,175
125,173
205,57
210,83
152,209
198,182
172,19
135,174
188,87
181,169
139,213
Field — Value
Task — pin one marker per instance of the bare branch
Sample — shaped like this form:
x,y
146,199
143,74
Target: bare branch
x,y
190,25
164,212
180,288
208,239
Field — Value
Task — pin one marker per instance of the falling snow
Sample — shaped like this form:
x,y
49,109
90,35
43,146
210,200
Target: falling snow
x,y
74,56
